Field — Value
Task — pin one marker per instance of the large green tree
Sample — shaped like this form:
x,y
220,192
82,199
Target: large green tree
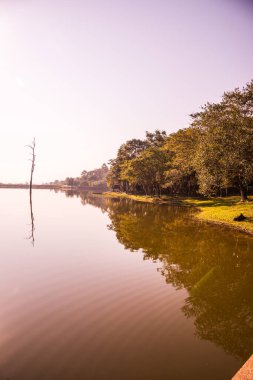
x,y
136,162
180,150
127,152
225,149
146,171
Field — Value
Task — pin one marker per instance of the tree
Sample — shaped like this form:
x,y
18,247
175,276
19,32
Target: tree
x,y
70,181
96,177
127,152
225,149
132,169
32,147
180,150
156,138
146,171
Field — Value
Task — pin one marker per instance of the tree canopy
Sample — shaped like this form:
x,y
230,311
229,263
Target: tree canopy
x,y
211,156
225,149
91,178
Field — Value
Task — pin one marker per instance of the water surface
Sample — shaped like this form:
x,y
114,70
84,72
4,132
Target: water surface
x,y
115,289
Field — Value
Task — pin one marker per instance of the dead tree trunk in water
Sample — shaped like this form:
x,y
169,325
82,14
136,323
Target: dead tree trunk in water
x,y
32,147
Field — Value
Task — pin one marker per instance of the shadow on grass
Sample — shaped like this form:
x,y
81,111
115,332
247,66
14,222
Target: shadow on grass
x,y
217,202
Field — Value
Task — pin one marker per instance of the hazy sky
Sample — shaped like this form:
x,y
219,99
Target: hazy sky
x,y
84,76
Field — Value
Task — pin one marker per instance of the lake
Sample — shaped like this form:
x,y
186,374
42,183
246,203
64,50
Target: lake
x,y
117,289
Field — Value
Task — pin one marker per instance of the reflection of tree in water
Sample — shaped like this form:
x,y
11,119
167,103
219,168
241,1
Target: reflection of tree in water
x,y
214,265
31,237
87,198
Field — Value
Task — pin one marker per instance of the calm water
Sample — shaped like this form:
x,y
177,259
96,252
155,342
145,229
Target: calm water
x,y
114,289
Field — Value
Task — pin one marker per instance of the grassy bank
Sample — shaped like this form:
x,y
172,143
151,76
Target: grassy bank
x,y
223,211
215,210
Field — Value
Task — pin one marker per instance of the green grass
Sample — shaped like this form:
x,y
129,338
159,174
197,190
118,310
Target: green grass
x,y
215,210
139,198
223,211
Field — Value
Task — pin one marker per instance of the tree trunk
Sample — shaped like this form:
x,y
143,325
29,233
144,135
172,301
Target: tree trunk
x,y
159,191
243,193
32,147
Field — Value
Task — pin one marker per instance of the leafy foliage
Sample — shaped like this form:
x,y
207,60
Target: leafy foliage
x,y
92,178
225,150
212,155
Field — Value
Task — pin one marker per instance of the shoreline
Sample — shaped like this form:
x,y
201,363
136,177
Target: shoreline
x,y
219,211
52,187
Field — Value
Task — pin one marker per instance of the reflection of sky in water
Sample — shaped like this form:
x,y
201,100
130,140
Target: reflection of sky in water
x,y
79,304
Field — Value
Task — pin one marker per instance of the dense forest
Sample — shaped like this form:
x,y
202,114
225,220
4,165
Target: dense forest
x,y
213,156
94,178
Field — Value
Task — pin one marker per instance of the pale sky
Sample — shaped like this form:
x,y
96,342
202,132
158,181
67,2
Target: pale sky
x,y
84,76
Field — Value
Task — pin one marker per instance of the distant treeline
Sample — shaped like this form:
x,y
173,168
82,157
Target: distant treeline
x,y
213,156
89,179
